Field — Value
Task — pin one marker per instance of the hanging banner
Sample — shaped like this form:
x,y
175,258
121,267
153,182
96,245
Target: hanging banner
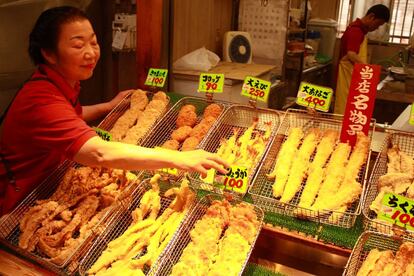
x,y
360,103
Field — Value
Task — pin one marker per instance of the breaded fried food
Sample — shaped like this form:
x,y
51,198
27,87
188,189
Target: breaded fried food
x,y
160,95
213,110
139,99
171,144
181,133
188,107
209,121
190,143
199,131
186,118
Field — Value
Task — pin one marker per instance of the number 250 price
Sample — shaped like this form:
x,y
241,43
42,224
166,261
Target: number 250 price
x,y
316,101
256,92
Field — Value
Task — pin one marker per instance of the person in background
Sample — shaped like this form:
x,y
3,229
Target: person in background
x,y
353,50
45,123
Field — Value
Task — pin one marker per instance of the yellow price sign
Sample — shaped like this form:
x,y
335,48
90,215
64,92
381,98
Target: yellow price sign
x,y
211,83
256,89
398,210
235,180
314,96
411,120
156,77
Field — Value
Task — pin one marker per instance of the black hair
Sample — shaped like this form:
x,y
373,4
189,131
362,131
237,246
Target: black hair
x,y
45,33
380,12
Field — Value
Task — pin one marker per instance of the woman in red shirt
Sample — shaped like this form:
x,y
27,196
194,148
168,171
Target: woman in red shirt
x,y
45,123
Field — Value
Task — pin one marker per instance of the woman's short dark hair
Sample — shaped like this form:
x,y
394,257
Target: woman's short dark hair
x,y
380,11
45,33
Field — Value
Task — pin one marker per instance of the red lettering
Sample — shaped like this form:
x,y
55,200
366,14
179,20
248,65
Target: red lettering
x,y
239,183
396,214
404,218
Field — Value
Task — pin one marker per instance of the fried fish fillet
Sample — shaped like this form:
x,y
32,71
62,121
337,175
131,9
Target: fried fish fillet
x,y
300,165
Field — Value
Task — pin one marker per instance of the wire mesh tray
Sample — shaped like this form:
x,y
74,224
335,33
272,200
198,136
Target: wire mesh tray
x,y
9,226
366,242
122,219
109,121
405,141
261,190
240,117
182,238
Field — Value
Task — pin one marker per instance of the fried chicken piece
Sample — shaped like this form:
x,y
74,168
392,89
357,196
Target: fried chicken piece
x,y
188,107
376,205
209,121
124,123
161,96
139,100
171,144
199,131
181,133
213,110
186,118
190,143
369,264
398,182
394,160
33,223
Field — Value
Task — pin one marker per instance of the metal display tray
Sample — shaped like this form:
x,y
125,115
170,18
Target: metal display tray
x,y
108,122
121,220
366,242
405,141
261,190
9,225
182,238
241,117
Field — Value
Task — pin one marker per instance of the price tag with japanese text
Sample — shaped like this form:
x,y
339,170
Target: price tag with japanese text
x,y
156,77
235,180
211,83
411,120
256,89
171,171
314,96
398,210
105,135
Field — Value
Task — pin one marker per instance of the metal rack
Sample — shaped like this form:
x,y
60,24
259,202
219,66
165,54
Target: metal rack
x,y
405,141
261,190
182,238
121,220
108,122
366,242
240,117
10,232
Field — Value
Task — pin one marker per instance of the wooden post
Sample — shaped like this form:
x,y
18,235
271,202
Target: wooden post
x,y
149,37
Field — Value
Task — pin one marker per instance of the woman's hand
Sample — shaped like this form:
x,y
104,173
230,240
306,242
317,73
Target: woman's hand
x,y
200,161
118,98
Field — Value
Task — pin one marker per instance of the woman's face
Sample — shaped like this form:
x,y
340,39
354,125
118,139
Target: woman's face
x,y
77,51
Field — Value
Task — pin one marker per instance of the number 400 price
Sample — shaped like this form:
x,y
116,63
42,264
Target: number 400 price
x,y
315,101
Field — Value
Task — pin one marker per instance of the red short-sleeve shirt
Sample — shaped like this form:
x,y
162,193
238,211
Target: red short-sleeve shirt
x,y
352,38
43,127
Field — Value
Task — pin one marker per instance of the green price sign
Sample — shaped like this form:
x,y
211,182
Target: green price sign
x,y
211,83
314,96
156,77
256,89
411,120
398,210
105,135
